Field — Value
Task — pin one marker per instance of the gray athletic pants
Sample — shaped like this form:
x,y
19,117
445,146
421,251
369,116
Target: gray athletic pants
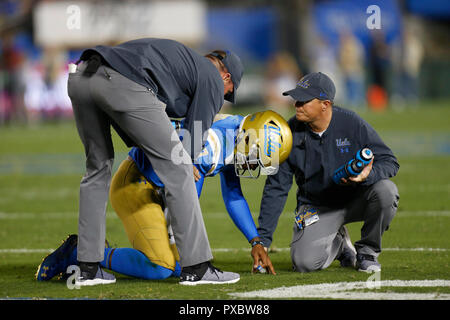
x,y
107,95
317,245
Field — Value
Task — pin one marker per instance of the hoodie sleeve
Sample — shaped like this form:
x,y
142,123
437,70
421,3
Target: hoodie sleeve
x,y
274,197
385,164
206,103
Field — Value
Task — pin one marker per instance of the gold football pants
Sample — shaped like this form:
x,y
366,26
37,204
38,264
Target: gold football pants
x,y
140,207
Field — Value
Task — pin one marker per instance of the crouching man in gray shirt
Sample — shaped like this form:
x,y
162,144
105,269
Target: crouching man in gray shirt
x,y
135,87
324,138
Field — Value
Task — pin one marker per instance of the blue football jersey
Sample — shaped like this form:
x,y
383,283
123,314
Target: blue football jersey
x,y
216,157
217,152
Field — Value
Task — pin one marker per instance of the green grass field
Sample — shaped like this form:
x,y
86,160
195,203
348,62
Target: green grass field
x,y
40,170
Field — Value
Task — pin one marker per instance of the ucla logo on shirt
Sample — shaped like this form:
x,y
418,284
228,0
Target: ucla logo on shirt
x,y
271,137
342,142
343,145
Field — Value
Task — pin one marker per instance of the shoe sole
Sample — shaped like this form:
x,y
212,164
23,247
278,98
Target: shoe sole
x,y
194,283
370,269
93,282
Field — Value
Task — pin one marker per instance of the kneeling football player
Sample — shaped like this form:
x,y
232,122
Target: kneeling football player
x,y
236,147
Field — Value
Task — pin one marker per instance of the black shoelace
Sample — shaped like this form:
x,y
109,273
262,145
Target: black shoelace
x,y
214,268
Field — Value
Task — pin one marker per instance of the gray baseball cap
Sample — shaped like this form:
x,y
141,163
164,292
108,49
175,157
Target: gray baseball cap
x,y
313,85
234,66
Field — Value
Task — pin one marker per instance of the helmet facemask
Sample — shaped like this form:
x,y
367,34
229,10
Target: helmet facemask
x,y
249,159
247,166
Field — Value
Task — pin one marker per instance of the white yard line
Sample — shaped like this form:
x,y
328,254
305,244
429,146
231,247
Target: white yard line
x,y
47,215
25,250
208,215
28,250
288,249
352,290
213,215
416,249
442,213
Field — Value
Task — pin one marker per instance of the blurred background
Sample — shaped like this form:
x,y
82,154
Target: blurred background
x,y
393,56
389,59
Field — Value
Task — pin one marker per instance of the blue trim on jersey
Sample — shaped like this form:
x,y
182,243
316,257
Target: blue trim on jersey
x,y
145,166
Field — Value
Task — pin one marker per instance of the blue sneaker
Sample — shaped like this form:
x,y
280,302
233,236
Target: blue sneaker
x,y
367,263
56,263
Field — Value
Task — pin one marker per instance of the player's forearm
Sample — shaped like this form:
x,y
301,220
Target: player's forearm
x,y
242,218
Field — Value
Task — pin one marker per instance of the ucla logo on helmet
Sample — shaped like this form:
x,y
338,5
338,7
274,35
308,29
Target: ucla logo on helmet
x,y
272,135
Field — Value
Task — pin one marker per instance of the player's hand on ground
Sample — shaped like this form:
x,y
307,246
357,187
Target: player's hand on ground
x,y
359,178
261,258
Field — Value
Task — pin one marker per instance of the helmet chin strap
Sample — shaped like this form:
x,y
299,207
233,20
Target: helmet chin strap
x,y
241,172
261,169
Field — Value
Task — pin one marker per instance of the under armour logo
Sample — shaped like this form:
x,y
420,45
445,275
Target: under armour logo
x,y
190,278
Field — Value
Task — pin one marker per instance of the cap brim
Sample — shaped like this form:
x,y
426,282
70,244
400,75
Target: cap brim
x,y
299,95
